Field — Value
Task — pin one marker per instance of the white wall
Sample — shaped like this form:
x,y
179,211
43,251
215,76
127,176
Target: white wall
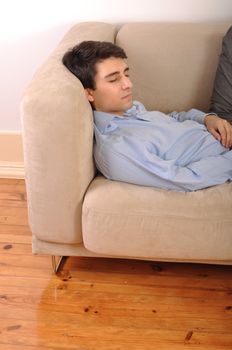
x,y
31,29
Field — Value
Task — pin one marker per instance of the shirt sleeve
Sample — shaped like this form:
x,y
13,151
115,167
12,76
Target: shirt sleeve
x,y
192,114
141,167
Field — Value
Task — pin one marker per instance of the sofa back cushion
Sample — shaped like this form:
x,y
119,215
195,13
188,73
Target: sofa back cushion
x,y
173,65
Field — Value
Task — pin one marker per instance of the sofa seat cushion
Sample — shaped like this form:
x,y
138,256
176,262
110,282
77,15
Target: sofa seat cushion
x,y
142,222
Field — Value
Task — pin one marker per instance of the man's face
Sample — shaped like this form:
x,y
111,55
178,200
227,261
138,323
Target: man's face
x,y
113,93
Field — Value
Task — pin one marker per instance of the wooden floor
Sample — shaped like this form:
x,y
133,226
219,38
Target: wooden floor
x,y
104,304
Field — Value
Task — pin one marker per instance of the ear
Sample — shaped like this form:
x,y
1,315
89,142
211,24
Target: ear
x,y
89,94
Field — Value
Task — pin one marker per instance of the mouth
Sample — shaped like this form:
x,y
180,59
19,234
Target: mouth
x,y
128,96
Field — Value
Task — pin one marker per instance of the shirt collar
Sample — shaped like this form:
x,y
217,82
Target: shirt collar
x,y
105,121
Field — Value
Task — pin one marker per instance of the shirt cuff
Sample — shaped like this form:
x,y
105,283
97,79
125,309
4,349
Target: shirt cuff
x,y
205,115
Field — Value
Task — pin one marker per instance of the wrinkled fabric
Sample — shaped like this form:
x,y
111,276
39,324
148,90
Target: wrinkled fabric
x,y
174,152
221,100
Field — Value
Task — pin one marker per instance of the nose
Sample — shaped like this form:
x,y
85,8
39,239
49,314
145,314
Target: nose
x,y
126,83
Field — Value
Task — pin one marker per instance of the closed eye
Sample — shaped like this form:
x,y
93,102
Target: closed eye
x,y
113,80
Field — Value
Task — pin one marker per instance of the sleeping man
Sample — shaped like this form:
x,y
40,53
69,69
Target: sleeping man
x,y
183,151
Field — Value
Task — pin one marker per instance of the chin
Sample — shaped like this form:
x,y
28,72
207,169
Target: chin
x,y
129,102
129,105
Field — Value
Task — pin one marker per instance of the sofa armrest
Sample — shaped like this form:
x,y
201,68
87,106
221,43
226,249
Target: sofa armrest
x,y
57,130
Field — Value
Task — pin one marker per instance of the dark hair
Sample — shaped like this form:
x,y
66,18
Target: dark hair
x,y
81,59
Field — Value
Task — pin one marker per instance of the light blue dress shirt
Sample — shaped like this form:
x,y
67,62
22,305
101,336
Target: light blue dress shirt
x,y
174,151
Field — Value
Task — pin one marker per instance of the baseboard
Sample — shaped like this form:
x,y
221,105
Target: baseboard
x,y
11,147
12,170
11,155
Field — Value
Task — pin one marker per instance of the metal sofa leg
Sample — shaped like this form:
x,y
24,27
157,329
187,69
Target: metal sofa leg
x,y
57,263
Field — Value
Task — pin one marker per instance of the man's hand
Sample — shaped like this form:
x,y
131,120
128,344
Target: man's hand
x,y
220,128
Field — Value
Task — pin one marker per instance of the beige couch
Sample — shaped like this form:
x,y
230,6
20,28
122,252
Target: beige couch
x,y
73,211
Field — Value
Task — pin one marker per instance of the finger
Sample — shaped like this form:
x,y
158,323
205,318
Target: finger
x,y
229,135
223,133
216,134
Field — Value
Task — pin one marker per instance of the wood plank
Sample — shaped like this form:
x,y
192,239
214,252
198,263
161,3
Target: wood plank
x,y
96,336
26,347
78,283
9,202
15,229
18,198
138,310
99,271
104,304
12,184
13,216
10,250
123,277
15,239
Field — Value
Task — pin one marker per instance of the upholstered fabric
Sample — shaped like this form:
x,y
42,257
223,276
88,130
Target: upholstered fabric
x,y
66,249
119,218
172,65
58,138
